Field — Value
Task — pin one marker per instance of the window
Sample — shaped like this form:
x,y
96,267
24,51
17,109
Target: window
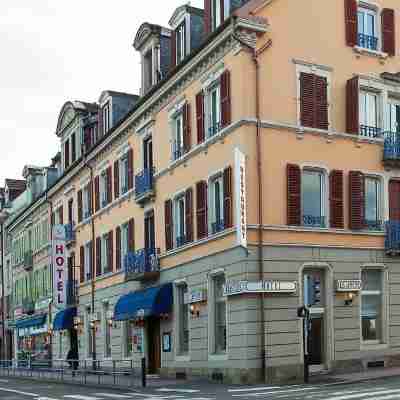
x,y
216,13
372,305
104,188
220,314
369,114
88,261
312,193
148,153
71,211
124,242
372,204
60,345
105,248
107,331
66,154
183,320
179,218
214,109
148,69
128,327
177,127
393,116
106,118
180,42
367,29
89,335
217,205
86,202
124,168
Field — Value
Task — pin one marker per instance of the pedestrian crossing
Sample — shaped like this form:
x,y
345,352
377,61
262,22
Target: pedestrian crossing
x,y
329,391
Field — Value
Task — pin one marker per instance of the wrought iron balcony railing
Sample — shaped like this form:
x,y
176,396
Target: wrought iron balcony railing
x,y
392,237
367,41
370,131
314,221
214,129
144,182
391,148
139,263
373,225
178,150
218,226
70,232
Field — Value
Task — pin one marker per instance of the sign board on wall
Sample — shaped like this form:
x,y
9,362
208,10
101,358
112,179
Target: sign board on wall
x,y
232,288
59,262
195,296
240,198
348,285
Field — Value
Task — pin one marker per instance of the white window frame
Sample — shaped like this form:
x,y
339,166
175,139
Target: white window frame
x,y
103,188
219,176
181,38
392,102
123,175
384,340
215,87
107,332
364,113
180,287
177,137
374,10
88,256
104,254
380,197
177,218
106,114
86,202
124,242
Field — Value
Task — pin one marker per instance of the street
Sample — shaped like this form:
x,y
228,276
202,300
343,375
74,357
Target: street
x,y
382,389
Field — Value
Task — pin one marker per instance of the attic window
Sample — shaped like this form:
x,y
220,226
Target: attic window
x,y
106,118
180,42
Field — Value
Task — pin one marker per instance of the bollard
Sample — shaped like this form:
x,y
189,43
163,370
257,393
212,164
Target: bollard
x,y
143,372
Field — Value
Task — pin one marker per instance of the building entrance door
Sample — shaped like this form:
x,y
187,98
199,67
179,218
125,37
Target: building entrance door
x,y
154,345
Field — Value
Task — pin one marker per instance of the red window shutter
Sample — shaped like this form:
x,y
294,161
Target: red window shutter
x,y
90,198
388,31
98,256
169,226
82,264
207,16
225,98
293,194
131,235
336,199
97,193
189,214
351,8
321,101
228,201
130,169
118,248
61,215
352,106
186,128
394,200
110,251
116,179
357,200
66,154
201,210
200,117
308,106
80,213
173,49
109,185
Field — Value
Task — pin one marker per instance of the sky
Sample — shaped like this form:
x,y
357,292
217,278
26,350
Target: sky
x,y
53,51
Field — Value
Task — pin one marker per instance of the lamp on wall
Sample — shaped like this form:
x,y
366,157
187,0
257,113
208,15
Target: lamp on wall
x,y
349,297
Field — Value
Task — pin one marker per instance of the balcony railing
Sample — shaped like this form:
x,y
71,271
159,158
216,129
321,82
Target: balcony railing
x,y
392,238
391,149
72,293
70,232
214,129
373,225
141,264
28,260
218,226
144,183
178,150
181,241
314,221
370,131
367,41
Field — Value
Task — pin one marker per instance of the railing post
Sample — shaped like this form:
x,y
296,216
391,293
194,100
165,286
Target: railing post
x,y
144,372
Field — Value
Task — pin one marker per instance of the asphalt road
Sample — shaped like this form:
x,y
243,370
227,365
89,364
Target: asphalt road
x,y
383,389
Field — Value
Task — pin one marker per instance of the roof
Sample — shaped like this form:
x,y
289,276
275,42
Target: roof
x,y
185,8
146,30
16,184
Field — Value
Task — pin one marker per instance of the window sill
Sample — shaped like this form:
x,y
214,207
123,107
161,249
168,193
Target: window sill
x,y
369,52
182,358
370,346
218,357
100,278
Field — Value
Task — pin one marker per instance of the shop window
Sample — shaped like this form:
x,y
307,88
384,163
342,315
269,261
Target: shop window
x,y
372,309
183,320
107,332
372,204
128,338
313,199
220,314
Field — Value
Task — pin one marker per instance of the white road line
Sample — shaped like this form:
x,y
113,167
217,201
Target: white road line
x,y
80,397
275,392
178,390
367,394
19,392
254,389
113,395
3,381
46,398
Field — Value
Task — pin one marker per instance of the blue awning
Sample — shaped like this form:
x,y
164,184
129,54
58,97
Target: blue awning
x,y
150,302
31,322
64,319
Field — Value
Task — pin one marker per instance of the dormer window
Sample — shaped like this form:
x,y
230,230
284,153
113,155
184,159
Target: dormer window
x,y
217,13
180,35
148,69
106,118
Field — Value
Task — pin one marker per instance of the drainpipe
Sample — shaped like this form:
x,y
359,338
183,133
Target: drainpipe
x,y
254,56
51,273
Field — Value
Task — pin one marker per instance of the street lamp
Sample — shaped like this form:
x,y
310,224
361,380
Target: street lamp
x,y
3,216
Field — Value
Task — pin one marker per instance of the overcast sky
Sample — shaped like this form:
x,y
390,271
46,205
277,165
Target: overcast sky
x,y
53,51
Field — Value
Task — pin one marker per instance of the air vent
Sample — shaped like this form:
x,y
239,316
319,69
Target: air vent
x,y
376,364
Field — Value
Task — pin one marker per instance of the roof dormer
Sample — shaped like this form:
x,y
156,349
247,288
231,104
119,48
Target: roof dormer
x,y
187,25
154,44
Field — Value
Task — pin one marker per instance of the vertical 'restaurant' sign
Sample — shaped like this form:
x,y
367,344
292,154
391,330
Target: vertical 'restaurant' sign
x,y
240,198
59,261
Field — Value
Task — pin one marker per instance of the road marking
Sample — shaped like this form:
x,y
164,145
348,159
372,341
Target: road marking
x,y
3,381
368,394
80,397
307,389
254,389
113,395
178,390
45,398
18,392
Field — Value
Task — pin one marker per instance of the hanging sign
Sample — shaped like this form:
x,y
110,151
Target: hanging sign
x,y
232,288
348,285
59,262
240,198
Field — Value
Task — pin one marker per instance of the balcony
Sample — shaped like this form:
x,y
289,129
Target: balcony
x,y
391,149
142,265
70,233
314,221
144,186
367,42
372,132
28,260
392,238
